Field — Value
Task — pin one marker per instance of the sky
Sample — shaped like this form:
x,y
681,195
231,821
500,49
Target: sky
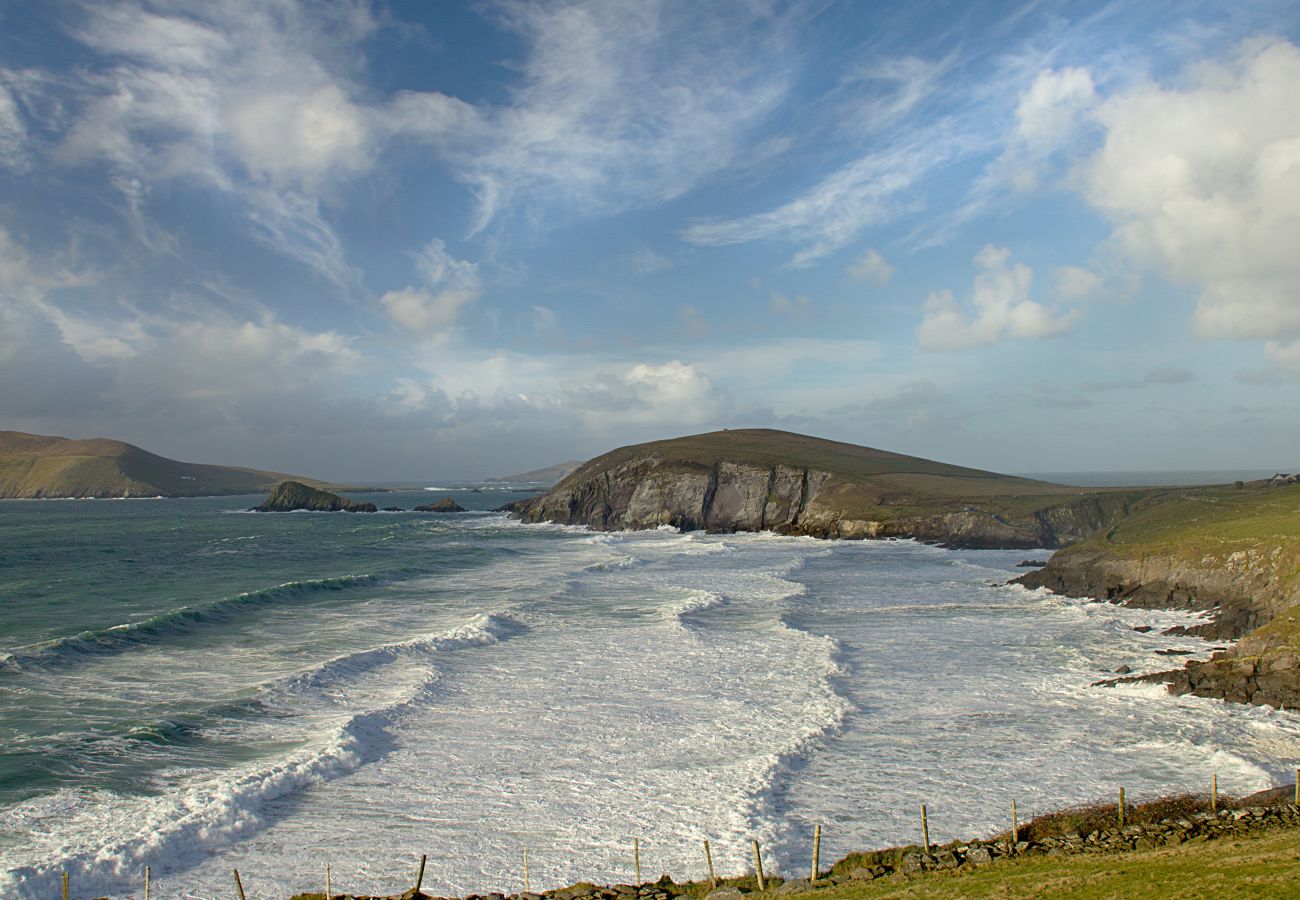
x,y
410,240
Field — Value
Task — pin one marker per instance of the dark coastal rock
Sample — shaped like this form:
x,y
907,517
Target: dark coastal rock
x,y
445,505
1031,564
757,479
288,496
393,509
1238,601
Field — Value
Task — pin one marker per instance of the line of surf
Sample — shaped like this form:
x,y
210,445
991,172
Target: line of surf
x,y
106,852
118,638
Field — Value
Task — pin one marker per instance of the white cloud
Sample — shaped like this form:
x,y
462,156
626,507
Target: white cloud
x,y
449,285
1202,182
644,261
251,100
13,133
1074,283
1000,308
1049,112
619,105
838,208
301,136
672,391
871,266
782,305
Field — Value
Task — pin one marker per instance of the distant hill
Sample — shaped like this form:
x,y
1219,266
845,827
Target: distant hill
x,y
548,475
34,465
761,479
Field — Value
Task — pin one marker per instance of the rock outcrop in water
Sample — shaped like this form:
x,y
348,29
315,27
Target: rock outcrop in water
x,y
445,505
1232,553
1240,596
288,496
757,480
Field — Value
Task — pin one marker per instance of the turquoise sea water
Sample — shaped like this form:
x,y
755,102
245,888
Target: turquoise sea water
x,y
193,687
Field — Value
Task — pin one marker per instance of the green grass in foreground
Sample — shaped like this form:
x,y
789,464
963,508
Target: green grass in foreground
x,y
1261,865
1256,866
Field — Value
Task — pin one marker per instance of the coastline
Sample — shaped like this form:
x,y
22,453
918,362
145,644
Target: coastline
x,y
1053,840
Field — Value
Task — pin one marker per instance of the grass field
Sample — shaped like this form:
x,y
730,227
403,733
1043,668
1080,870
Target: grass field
x,y
1258,866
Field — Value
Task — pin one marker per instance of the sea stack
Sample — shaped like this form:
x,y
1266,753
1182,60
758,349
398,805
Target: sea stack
x,y
288,496
445,505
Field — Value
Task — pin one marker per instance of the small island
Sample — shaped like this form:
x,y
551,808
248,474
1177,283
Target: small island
x,y
290,496
445,505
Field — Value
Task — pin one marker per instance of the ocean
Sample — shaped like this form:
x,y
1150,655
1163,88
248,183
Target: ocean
x,y
193,687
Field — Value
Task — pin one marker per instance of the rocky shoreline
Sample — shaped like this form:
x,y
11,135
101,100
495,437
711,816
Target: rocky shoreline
x,y
1239,597
730,497
1248,598
1268,811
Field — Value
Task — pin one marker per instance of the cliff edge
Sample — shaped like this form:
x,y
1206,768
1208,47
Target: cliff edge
x,y
1233,553
762,479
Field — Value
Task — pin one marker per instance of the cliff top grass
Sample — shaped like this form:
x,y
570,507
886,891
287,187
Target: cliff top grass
x,y
768,447
866,482
1216,527
33,465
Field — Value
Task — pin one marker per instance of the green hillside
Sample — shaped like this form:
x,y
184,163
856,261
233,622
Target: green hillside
x,y
763,479
34,466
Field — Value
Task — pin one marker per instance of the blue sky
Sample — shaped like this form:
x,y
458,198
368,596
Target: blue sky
x,y
406,240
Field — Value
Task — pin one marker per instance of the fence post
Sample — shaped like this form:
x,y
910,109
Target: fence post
x,y
146,882
419,876
1121,807
527,887
708,858
239,885
636,859
925,829
758,867
65,886
817,852
329,889
1015,825
1214,793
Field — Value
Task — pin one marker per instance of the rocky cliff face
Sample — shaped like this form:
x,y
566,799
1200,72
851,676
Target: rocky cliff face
x,y
1246,591
646,492
1251,594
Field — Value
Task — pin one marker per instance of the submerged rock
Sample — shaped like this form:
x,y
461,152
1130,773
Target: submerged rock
x,y
288,496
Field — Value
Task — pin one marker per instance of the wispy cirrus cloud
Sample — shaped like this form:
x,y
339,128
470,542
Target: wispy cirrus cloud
x,y
621,106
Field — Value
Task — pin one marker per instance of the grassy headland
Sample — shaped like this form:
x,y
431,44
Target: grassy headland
x,y
1232,552
35,466
756,479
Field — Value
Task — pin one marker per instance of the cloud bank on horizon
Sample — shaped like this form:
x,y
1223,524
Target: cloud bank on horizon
x,y
389,240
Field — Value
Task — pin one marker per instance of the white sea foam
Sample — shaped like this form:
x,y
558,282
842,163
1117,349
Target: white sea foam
x,y
105,841
661,685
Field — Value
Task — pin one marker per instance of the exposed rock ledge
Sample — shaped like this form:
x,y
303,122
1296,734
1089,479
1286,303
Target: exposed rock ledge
x,y
1245,592
650,491
1253,596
